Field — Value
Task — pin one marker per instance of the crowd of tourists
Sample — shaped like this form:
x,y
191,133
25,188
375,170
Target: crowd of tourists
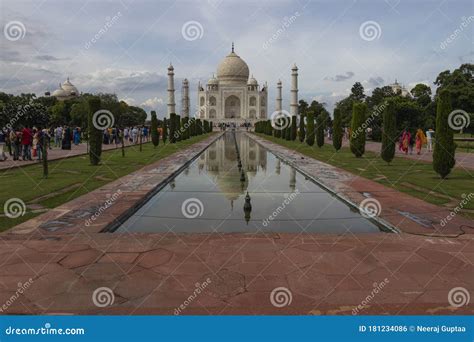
x,y
408,141
26,143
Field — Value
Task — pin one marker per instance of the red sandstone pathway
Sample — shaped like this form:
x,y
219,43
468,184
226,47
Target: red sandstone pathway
x,y
54,154
463,159
60,264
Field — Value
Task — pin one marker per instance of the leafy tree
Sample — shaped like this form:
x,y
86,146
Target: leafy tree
x,y
293,128
389,132
444,149
301,131
155,138
310,123
357,92
95,135
172,123
320,125
337,129
357,139
422,94
164,132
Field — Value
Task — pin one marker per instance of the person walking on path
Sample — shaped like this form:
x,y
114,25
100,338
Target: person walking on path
x,y
429,139
420,140
411,142
26,141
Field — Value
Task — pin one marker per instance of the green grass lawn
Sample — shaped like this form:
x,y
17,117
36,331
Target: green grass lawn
x,y
72,177
410,176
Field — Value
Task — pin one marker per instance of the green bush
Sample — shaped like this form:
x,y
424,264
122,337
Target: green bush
x,y
164,132
95,135
155,138
310,123
302,132
172,124
293,128
337,129
320,125
389,132
357,139
444,148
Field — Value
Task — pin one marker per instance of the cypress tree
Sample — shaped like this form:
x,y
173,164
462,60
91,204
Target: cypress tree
x,y
179,132
95,135
293,128
444,148
155,139
172,123
310,133
320,125
337,130
164,131
186,128
357,138
389,132
302,132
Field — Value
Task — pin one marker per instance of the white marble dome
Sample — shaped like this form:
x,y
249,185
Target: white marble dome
x,y
70,89
233,70
253,81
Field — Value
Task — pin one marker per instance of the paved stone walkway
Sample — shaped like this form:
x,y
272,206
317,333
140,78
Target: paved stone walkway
x,y
54,154
68,268
463,159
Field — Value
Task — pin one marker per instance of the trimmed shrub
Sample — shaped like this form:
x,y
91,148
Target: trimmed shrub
x,y
95,135
155,138
357,138
389,132
444,148
310,133
164,132
302,131
320,125
172,124
337,129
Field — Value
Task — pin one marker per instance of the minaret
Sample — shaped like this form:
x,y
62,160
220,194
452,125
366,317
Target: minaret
x,y
294,91
279,98
171,103
185,99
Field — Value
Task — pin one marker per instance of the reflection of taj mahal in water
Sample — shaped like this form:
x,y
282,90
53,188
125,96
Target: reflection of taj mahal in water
x,y
220,161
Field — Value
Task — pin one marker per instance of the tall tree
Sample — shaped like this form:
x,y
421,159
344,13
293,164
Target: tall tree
x,y
389,131
164,130
310,134
95,135
357,138
172,123
357,92
301,131
293,128
337,129
320,126
155,137
444,149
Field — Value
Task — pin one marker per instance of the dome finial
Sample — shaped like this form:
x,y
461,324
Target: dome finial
x,y
232,46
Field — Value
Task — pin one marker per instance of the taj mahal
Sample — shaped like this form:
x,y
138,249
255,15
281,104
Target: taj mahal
x,y
232,95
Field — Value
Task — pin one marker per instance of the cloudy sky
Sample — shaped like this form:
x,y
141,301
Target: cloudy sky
x,y
124,47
